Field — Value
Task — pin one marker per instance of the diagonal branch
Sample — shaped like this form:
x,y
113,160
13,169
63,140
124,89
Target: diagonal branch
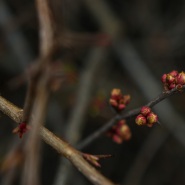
x,y
126,115
73,155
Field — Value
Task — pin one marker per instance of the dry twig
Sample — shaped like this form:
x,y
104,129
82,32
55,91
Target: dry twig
x,y
126,115
61,146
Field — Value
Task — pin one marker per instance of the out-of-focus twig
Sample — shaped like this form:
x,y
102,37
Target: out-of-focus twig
x,y
32,163
47,27
38,93
15,39
76,122
11,163
87,81
61,146
105,17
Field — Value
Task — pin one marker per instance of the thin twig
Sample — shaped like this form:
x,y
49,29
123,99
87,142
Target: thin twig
x,y
32,161
126,115
58,144
47,26
15,39
76,121
12,161
30,95
38,94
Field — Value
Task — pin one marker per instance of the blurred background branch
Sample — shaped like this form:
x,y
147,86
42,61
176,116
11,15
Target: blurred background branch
x,y
136,42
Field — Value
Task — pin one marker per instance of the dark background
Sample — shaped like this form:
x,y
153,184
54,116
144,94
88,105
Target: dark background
x,y
136,42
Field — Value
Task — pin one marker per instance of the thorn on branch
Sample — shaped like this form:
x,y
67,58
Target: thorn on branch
x,y
94,159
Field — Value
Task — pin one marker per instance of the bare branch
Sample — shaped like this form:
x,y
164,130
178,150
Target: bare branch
x,y
61,146
47,26
126,115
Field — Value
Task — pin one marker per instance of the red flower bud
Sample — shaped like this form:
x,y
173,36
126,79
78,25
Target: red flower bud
x,y
172,86
120,132
174,73
170,79
140,120
121,106
113,102
126,99
152,118
21,129
163,78
118,101
181,78
117,139
125,132
116,94
145,110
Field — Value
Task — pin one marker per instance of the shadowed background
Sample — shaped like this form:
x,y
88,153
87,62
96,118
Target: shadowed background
x,y
105,44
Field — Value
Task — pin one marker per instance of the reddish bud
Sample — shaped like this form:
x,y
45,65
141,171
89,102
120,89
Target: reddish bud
x,y
125,132
172,86
126,99
116,94
170,79
120,132
21,129
117,139
121,106
152,118
118,101
145,110
174,73
181,78
113,102
140,120
163,79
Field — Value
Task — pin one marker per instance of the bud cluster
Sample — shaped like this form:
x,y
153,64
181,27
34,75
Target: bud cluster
x,y
172,79
146,117
118,101
120,132
21,129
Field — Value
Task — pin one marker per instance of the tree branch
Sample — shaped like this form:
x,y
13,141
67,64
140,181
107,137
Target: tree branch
x,y
126,115
61,146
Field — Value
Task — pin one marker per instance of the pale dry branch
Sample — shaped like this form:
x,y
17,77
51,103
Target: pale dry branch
x,y
47,26
58,144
